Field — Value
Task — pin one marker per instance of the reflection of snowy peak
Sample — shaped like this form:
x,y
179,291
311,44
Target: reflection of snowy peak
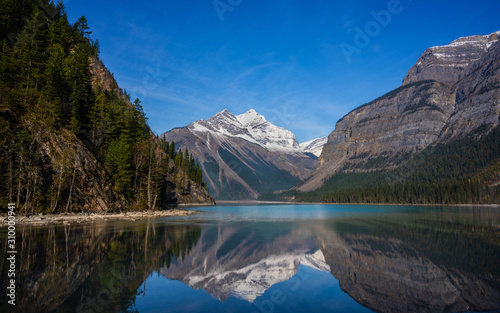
x,y
250,126
314,146
253,280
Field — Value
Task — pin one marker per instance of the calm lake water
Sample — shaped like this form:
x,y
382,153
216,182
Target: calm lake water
x,y
265,258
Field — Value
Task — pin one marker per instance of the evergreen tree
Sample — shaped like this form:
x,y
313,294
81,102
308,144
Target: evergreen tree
x,y
81,27
46,91
118,162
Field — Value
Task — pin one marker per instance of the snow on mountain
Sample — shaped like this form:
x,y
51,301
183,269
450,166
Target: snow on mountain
x,y
254,127
268,135
314,146
254,279
250,126
446,63
484,41
243,156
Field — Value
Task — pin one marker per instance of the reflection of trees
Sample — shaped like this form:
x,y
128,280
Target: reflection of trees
x,y
98,266
426,263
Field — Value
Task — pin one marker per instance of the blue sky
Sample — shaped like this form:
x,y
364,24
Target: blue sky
x,y
189,59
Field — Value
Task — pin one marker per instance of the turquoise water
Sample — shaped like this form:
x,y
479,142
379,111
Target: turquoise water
x,y
266,258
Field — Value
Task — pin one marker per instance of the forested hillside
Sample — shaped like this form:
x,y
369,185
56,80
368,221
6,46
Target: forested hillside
x,y
465,171
71,139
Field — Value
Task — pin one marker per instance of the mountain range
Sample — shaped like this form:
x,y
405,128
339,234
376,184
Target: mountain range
x,y
439,126
451,93
244,156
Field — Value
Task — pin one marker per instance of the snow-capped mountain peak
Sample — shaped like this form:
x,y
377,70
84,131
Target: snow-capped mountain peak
x,y
237,149
251,118
314,146
250,126
254,127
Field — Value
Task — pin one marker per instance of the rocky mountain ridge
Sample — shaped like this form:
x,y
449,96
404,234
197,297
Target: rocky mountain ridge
x,y
447,63
243,156
249,126
450,92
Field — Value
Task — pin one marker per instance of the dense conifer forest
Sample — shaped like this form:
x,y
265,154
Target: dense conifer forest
x,y
53,106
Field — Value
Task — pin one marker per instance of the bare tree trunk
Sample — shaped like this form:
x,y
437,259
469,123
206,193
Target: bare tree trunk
x,y
34,193
71,188
19,181
138,159
26,198
54,206
18,193
154,203
149,176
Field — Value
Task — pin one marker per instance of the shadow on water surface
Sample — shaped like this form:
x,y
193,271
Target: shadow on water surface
x,y
428,260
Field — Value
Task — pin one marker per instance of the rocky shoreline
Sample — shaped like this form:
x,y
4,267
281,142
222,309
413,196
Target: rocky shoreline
x,y
67,218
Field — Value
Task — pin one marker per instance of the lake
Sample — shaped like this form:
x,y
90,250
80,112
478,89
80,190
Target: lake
x,y
264,258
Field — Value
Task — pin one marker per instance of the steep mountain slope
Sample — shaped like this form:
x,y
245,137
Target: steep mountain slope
x,y
451,92
72,141
243,156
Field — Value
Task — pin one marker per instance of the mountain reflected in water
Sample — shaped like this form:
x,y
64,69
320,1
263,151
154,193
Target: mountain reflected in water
x,y
231,261
423,260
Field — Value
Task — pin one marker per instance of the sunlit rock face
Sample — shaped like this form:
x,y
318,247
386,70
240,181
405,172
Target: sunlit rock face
x,y
447,63
452,91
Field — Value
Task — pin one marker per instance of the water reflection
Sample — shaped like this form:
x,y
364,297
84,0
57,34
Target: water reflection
x,y
244,262
424,264
92,268
439,260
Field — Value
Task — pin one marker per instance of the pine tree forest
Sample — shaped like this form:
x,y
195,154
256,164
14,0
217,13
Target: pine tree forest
x,y
50,98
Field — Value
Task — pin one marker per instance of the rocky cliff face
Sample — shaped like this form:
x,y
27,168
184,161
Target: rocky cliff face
x,y
450,92
447,63
243,156
89,186
194,193
93,187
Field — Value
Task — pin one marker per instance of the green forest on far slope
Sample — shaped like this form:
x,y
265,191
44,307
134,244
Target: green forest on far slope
x,y
464,171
